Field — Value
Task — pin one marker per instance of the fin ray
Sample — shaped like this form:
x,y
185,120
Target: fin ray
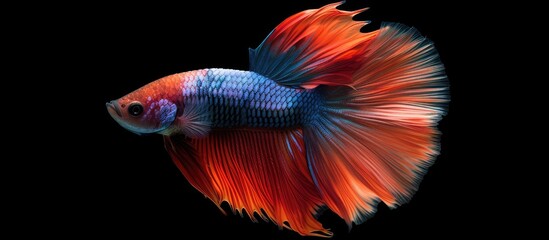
x,y
195,120
375,140
314,47
262,171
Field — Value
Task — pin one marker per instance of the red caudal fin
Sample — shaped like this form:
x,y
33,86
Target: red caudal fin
x,y
263,172
375,139
314,47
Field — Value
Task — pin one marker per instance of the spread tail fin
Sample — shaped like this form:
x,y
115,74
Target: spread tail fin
x,y
374,140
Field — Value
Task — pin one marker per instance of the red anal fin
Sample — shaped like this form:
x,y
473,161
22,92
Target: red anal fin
x,y
264,172
185,157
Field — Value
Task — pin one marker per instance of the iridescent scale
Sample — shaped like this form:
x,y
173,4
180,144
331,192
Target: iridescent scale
x,y
246,99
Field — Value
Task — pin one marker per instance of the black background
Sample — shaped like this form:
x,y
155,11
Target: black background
x,y
123,185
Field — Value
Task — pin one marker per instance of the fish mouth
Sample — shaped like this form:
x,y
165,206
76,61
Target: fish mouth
x,y
112,107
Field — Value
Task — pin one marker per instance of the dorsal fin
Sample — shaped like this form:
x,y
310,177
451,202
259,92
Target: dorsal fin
x,y
314,47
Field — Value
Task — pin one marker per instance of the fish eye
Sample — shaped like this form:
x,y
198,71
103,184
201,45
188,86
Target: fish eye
x,y
135,109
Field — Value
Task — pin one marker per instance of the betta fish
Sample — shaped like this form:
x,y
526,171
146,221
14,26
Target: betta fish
x,y
327,117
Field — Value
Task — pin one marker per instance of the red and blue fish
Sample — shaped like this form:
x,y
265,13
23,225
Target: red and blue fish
x,y
326,116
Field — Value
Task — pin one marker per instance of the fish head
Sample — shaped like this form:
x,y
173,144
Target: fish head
x,y
146,110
